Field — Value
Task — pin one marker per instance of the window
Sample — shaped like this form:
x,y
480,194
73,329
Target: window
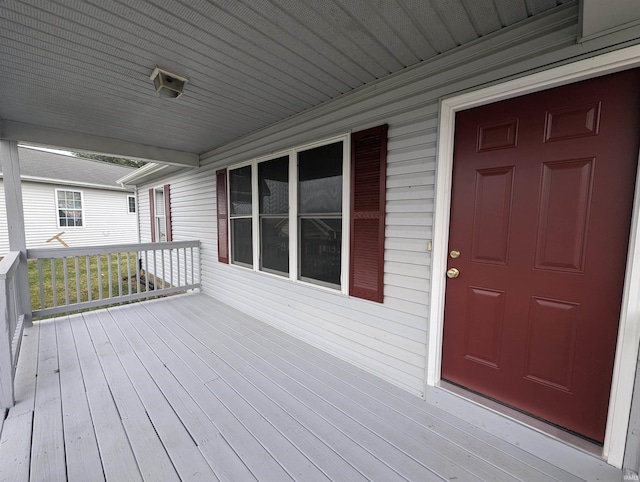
x,y
160,211
240,197
69,208
309,214
264,224
320,189
131,204
273,189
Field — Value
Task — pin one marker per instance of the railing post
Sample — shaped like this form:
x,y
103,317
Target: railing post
x,y
15,221
6,355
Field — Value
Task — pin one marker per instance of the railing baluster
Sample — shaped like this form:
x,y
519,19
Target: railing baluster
x,y
172,282
54,284
88,263
146,269
178,267
77,261
119,275
66,280
99,262
155,271
192,271
41,281
110,275
163,273
129,272
138,270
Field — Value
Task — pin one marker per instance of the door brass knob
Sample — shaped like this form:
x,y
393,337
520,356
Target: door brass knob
x,y
453,273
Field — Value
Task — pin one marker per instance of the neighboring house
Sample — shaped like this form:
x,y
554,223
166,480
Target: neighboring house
x,y
467,225
72,200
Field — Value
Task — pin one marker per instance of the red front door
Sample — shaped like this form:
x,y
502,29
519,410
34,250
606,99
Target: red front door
x,y
541,205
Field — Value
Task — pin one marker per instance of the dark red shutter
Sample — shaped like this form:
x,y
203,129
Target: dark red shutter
x,y
223,216
167,212
368,187
152,203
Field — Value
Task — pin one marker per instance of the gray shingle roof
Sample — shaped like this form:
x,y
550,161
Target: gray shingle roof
x,y
49,165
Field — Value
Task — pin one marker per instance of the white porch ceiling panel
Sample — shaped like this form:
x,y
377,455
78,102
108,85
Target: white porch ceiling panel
x,y
83,65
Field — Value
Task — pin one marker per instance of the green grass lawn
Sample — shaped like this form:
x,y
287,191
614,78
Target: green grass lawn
x,y
99,282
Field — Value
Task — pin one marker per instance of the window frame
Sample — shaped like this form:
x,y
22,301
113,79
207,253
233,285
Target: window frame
x,y
166,216
231,217
135,204
293,215
82,219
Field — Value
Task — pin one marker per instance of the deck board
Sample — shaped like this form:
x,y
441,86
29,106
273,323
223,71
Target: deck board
x,y
157,357
82,454
116,454
48,455
436,453
428,429
187,388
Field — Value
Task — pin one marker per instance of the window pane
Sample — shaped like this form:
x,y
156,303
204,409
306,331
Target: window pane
x,y
161,227
242,246
320,249
240,190
320,179
274,247
273,182
159,207
132,204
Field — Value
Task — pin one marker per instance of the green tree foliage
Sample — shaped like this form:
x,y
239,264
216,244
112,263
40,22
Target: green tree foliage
x,y
114,160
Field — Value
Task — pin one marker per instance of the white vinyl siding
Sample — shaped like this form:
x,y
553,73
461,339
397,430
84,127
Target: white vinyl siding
x,y
105,218
388,339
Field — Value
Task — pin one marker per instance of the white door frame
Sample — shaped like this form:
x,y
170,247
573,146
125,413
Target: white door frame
x,y
629,331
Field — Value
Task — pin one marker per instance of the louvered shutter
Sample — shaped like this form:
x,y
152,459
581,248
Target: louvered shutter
x,y
368,186
167,211
223,216
152,204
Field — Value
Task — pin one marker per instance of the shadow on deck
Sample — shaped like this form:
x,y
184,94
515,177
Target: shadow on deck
x,y
187,388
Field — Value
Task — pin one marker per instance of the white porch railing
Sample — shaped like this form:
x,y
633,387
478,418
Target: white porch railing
x,y
72,279
11,326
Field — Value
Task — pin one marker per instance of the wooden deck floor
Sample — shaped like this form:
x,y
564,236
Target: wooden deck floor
x,y
186,388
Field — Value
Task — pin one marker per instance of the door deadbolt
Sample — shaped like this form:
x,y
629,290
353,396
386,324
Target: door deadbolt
x,y
454,253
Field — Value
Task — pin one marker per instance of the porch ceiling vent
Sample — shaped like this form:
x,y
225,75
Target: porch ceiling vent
x,y
168,84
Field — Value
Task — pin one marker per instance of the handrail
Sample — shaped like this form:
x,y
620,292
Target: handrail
x,y
11,326
74,279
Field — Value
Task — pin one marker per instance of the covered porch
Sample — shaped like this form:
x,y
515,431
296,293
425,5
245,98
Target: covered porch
x,y
188,388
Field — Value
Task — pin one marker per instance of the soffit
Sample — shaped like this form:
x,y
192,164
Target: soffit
x,y
83,65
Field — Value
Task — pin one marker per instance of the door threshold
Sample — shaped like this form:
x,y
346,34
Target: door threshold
x,y
546,428
563,449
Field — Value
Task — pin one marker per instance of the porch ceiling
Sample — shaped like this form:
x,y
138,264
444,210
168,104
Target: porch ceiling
x,y
83,66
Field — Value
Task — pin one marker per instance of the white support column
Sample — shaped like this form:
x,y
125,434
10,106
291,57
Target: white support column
x,y
15,219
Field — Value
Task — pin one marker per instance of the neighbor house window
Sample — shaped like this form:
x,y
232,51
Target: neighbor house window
x,y
314,214
69,208
131,204
160,211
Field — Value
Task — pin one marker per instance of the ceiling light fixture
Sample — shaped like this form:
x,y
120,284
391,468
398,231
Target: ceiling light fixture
x,y
167,84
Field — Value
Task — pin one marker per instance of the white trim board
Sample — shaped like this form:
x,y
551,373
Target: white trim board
x,y
629,332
